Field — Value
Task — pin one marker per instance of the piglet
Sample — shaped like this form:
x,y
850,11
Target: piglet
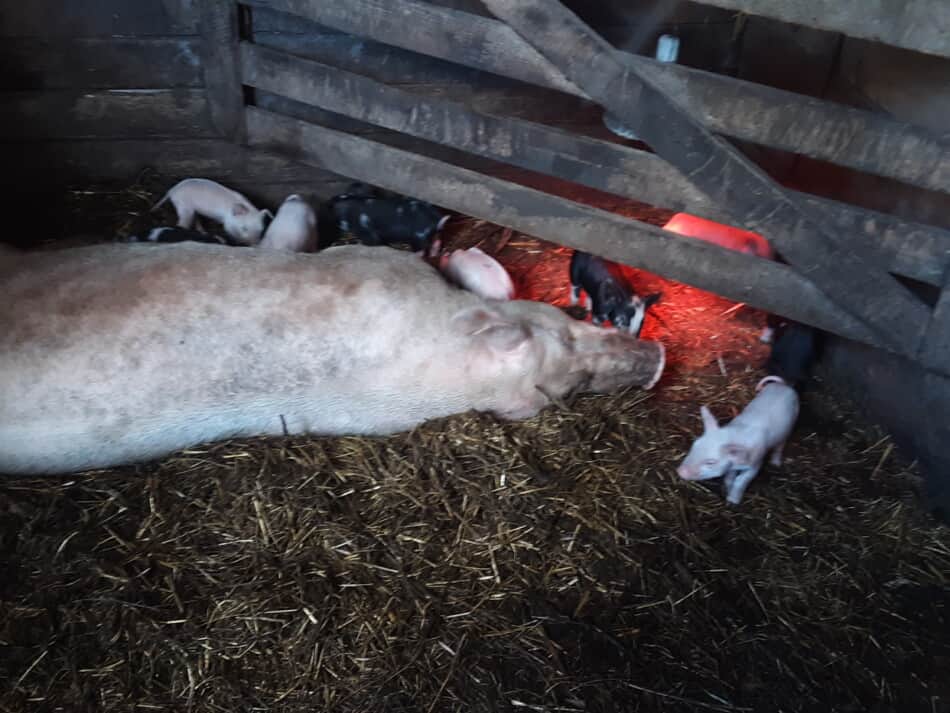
x,y
737,450
743,241
376,218
609,294
294,228
477,272
201,197
794,351
178,235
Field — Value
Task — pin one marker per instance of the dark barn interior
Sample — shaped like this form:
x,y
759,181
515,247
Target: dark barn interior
x,y
555,563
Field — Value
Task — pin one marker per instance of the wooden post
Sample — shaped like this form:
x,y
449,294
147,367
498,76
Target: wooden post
x,y
916,251
719,170
220,35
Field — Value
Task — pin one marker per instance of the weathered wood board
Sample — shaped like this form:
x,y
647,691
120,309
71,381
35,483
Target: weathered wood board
x,y
922,25
840,268
98,18
912,250
99,63
851,137
762,283
218,23
122,113
124,159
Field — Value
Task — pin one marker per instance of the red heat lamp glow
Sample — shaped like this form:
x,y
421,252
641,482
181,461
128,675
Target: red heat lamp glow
x,y
701,331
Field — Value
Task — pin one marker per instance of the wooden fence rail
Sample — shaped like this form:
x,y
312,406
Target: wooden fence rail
x,y
744,110
915,251
840,255
761,283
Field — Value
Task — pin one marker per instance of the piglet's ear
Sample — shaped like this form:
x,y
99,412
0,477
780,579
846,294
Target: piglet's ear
x,y
739,455
709,421
239,209
492,330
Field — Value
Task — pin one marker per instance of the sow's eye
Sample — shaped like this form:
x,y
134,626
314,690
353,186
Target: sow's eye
x,y
710,461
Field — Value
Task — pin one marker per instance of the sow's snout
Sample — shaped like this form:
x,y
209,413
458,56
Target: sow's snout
x,y
620,360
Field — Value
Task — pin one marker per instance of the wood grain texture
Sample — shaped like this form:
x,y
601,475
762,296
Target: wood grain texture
x,y
935,353
116,113
222,76
124,159
922,25
915,251
99,63
762,283
98,18
843,270
792,122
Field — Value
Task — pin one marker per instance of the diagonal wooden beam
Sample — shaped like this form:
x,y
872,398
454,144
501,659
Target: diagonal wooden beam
x,y
719,170
921,25
762,283
912,250
822,130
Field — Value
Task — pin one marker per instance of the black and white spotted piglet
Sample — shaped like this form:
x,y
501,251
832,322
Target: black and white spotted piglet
x,y
795,348
377,218
609,295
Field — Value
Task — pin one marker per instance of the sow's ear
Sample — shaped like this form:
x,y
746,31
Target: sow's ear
x,y
492,330
709,421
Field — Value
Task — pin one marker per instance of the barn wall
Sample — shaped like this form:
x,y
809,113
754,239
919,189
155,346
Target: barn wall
x,y
101,89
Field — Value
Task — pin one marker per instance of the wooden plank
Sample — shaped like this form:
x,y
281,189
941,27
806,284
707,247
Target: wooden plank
x,y
922,25
915,251
112,63
115,113
98,18
720,171
829,132
220,34
759,282
822,130
53,163
382,62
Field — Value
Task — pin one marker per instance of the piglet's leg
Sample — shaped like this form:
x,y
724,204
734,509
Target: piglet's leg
x,y
776,457
741,482
186,217
728,481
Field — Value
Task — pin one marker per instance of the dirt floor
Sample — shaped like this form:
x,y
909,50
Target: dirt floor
x,y
555,564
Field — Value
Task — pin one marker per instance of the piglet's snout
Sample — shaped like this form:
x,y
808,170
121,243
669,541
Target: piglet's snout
x,y
685,472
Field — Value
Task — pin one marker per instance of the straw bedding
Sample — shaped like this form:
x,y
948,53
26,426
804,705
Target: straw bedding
x,y
555,564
